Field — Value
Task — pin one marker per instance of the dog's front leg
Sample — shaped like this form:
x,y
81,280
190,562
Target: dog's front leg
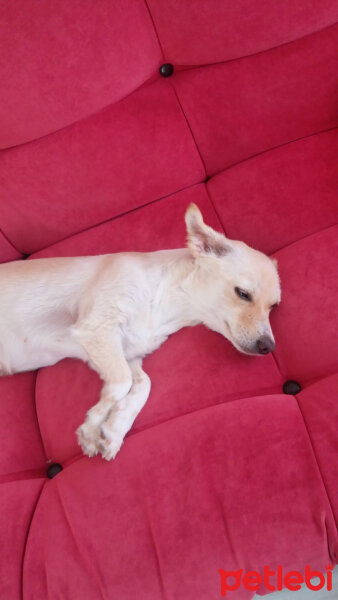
x,y
124,412
105,355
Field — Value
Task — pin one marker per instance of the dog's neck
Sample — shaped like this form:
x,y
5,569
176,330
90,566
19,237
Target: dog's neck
x,y
187,292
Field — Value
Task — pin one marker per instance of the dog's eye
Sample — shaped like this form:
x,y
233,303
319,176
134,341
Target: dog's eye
x,y
243,294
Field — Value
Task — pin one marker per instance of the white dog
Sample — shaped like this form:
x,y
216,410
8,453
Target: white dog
x,y
112,310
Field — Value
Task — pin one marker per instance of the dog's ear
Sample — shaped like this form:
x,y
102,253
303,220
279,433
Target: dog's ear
x,y
202,239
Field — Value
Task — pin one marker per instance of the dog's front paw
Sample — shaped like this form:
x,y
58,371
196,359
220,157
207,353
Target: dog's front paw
x,y
88,436
109,442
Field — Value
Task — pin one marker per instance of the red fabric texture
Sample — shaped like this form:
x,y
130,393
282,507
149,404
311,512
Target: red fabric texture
x,y
207,455
7,250
63,61
322,430
279,197
127,155
306,346
221,470
208,31
244,107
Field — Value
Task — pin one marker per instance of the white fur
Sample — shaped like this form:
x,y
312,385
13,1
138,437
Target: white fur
x,y
112,310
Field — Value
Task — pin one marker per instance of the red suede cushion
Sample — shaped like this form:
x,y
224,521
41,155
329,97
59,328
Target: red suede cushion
x,y
319,407
280,196
244,107
7,251
21,446
305,322
18,501
62,61
182,500
219,31
157,226
128,155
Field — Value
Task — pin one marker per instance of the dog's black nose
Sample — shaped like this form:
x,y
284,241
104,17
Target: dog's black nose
x,y
265,345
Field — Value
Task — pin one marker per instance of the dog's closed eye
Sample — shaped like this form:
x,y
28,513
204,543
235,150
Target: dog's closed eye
x,y
243,294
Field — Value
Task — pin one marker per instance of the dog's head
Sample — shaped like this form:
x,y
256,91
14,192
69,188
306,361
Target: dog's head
x,y
236,287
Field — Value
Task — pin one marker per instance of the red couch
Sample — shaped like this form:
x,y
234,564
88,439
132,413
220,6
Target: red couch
x,y
232,464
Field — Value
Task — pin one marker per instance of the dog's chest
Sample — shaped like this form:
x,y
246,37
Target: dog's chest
x,y
143,334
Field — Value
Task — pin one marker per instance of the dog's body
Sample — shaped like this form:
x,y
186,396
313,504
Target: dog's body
x,y
112,310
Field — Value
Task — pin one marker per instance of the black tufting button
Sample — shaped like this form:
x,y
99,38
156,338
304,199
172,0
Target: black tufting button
x,y
291,387
53,470
166,70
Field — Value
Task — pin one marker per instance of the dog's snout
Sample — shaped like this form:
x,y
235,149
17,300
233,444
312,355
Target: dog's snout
x,y
265,345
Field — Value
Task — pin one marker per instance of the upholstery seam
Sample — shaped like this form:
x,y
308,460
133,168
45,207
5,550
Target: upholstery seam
x,y
272,148
320,473
153,79
214,207
155,28
259,52
94,575
11,243
113,218
304,237
24,550
25,475
249,396
153,537
37,417
42,488
277,365
191,131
